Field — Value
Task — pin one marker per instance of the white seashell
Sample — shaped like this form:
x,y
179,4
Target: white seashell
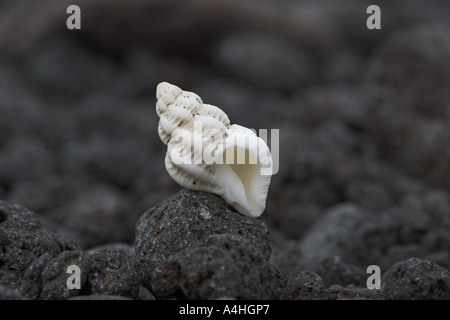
x,y
206,153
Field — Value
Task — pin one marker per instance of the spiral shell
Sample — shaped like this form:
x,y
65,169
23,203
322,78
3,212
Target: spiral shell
x,y
205,152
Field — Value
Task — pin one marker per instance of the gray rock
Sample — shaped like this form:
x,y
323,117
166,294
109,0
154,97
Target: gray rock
x,y
112,273
189,217
416,279
7,293
422,228
222,265
332,163
8,279
286,255
425,219
31,285
357,236
145,294
302,285
64,241
123,248
265,60
337,292
335,271
55,276
64,236
22,239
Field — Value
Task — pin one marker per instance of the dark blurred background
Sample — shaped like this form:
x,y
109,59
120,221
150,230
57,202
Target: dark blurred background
x,y
363,116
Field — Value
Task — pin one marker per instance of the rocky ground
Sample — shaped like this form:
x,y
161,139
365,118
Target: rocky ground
x,y
364,174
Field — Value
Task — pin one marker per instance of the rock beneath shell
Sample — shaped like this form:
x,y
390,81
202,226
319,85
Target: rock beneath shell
x,y
222,265
145,294
416,279
187,218
286,254
123,248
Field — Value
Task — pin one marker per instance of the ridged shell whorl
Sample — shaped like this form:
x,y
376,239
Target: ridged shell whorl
x,y
206,153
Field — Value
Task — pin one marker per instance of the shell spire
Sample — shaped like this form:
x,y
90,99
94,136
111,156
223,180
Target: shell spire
x,y
205,152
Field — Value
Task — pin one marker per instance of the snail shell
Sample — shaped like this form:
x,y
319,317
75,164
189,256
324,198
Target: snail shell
x,y
205,152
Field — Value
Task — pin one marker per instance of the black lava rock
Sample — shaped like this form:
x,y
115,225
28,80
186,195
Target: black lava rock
x,y
286,254
359,237
187,218
335,271
31,286
123,248
112,273
222,266
416,279
301,285
22,240
55,276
